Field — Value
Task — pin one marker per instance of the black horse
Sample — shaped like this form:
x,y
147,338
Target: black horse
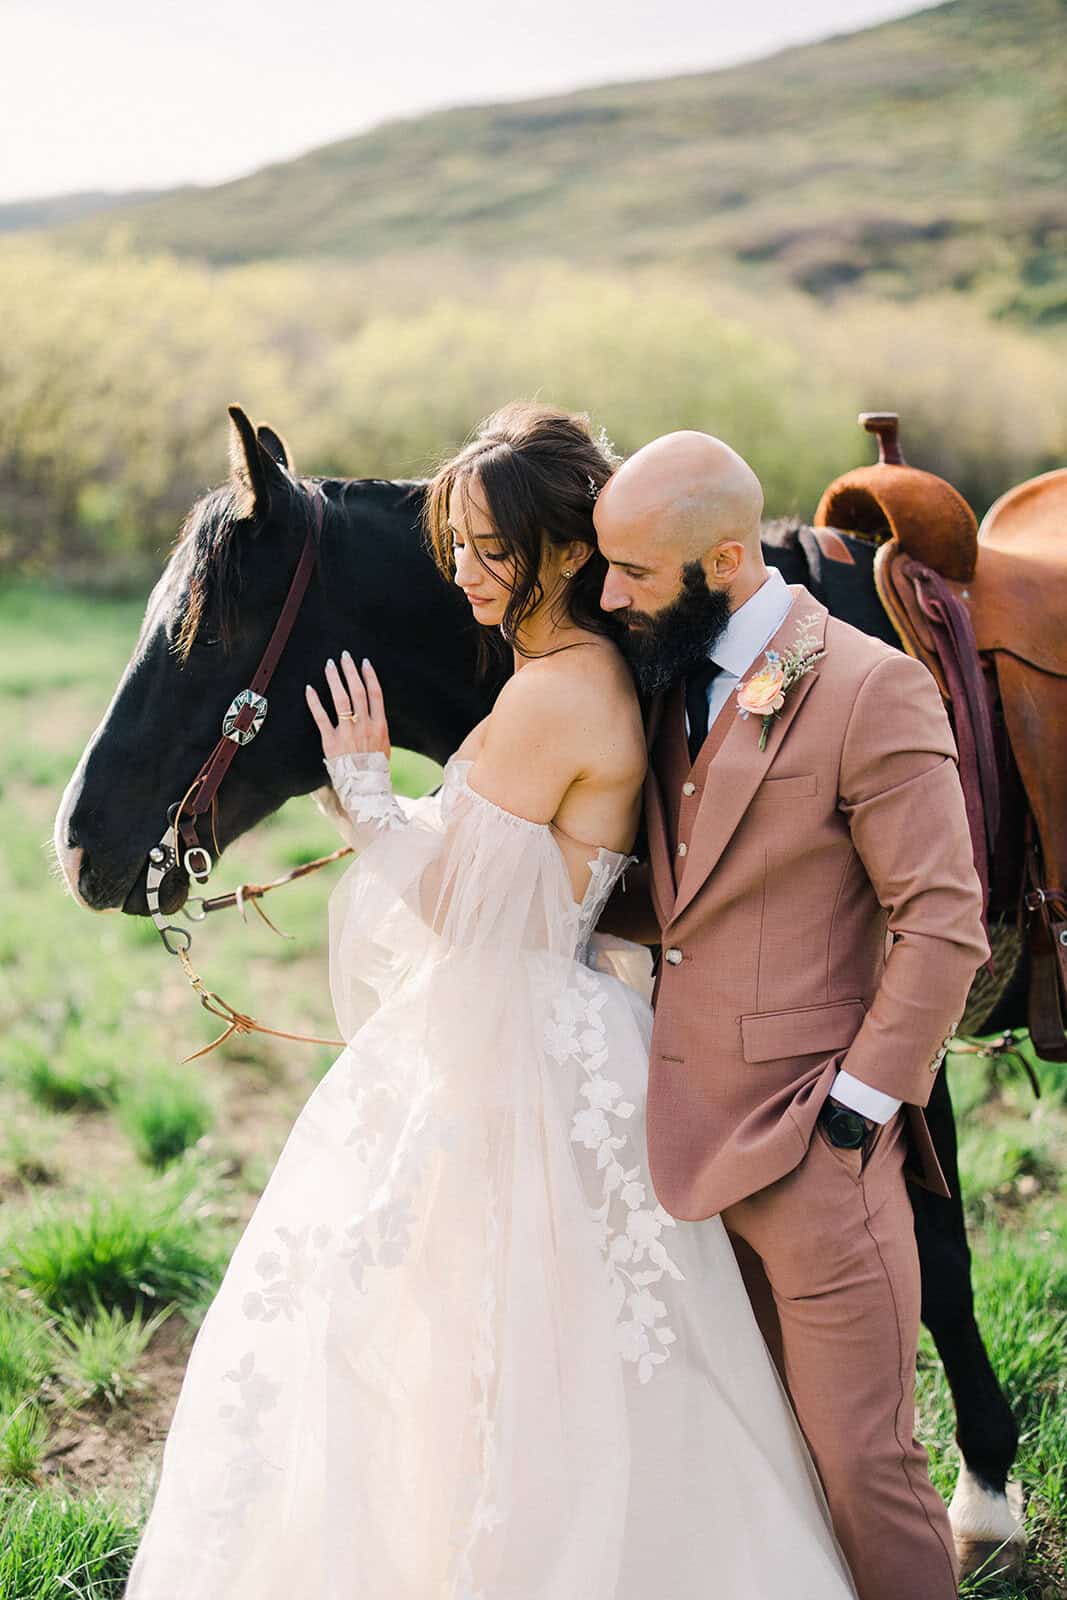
x,y
377,593
206,624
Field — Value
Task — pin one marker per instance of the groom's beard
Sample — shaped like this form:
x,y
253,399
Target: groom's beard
x,y
663,646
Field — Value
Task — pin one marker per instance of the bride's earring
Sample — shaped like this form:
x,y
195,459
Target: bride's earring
x,y
567,573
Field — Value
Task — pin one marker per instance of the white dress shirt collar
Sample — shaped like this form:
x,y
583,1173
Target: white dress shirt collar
x,y
753,625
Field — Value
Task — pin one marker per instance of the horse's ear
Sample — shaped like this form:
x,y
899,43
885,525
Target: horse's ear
x,y
275,446
254,471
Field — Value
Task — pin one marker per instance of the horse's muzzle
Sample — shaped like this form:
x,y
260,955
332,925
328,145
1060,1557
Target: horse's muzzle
x,y
173,893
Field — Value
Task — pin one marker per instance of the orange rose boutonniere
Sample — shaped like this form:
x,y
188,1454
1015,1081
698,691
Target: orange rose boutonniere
x,y
763,695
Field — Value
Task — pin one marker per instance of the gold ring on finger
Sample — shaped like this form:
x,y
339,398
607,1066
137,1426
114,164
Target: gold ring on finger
x,y
347,716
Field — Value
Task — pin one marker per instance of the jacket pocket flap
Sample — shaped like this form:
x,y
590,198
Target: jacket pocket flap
x,y
810,1030
788,788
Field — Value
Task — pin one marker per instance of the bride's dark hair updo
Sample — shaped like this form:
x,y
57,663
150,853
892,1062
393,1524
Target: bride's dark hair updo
x,y
539,471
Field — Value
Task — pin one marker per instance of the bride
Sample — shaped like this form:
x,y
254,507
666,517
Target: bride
x,y
460,1351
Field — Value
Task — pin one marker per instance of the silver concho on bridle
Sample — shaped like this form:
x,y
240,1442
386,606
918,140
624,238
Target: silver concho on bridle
x,y
163,857
247,697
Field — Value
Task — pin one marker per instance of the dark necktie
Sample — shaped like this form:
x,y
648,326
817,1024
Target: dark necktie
x,y
697,684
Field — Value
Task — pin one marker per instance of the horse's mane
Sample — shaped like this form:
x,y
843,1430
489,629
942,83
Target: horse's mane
x,y
211,557
213,566
781,533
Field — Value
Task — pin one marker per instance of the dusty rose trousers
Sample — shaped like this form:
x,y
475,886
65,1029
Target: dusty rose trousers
x,y
829,1259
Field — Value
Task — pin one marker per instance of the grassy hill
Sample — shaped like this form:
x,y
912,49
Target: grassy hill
x,y
16,216
760,252
923,155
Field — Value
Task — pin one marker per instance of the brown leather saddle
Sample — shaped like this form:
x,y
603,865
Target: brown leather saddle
x,y
984,609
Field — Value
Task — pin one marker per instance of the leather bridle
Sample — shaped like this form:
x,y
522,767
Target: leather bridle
x,y
180,843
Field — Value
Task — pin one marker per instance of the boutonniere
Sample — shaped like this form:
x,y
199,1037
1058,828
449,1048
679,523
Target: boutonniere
x,y
763,695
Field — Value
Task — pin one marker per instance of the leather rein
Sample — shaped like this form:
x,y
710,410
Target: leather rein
x,y
180,843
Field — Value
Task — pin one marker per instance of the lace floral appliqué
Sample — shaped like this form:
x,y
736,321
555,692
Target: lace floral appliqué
x,y
631,1229
284,1281
363,785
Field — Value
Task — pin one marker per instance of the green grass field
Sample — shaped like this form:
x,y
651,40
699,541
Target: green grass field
x,y
125,1179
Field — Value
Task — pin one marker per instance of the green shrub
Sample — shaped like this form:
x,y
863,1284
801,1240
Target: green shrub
x,y
120,1250
54,1547
76,1073
23,1431
24,1349
115,390
163,1114
96,1358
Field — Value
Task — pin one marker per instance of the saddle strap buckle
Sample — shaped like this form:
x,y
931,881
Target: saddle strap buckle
x,y
1055,899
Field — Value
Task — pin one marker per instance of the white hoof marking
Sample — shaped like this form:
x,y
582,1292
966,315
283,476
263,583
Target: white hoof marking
x,y
977,1513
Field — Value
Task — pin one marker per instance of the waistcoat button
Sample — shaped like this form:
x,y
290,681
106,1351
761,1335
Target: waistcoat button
x,y
673,956
682,848
689,788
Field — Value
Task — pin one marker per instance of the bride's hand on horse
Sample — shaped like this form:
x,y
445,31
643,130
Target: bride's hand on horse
x,y
358,707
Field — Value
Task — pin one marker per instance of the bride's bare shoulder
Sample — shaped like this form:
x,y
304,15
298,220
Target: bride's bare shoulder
x,y
556,724
581,702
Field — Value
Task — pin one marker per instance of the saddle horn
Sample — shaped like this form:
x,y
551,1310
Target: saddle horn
x,y
885,425
924,515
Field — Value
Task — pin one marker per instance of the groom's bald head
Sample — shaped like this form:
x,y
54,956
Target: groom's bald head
x,y
684,498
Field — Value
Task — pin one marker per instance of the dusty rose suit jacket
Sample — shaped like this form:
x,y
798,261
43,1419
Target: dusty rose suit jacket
x,y
819,908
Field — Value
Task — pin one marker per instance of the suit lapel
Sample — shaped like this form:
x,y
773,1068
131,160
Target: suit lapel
x,y
738,766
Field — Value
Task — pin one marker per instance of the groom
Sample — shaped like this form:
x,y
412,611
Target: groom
x,y
811,883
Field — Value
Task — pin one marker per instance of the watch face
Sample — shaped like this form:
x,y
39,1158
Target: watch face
x,y
846,1128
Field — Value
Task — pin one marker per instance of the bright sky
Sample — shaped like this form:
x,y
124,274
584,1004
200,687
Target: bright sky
x,y
120,94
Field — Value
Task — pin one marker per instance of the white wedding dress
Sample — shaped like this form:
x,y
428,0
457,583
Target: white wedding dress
x,y
460,1353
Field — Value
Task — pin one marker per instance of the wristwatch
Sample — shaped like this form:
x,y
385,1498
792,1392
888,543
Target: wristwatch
x,y
845,1128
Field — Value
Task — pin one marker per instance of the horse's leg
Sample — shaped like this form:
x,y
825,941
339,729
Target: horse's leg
x,y
982,1519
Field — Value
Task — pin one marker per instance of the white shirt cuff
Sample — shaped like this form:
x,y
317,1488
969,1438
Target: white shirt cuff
x,y
859,1096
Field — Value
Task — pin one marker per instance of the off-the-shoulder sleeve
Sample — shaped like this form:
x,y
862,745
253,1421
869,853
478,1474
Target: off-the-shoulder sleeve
x,y
453,874
361,801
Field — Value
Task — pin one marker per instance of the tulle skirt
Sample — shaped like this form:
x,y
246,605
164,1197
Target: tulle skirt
x,y
460,1351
